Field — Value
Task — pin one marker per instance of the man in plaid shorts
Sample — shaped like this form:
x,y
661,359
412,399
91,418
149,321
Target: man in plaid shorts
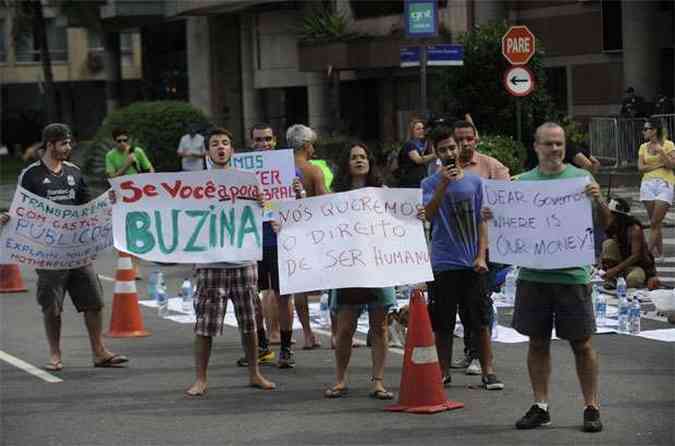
x,y
218,282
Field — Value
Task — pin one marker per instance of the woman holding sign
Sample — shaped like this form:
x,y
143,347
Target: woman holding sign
x,y
357,171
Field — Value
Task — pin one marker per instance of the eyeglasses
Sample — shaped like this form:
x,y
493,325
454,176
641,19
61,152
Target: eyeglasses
x,y
644,129
122,139
263,138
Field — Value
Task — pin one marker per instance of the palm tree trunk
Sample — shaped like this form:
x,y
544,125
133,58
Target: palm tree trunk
x,y
40,36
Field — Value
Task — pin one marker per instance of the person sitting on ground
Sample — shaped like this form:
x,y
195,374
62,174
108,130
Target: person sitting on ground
x,y
625,252
357,171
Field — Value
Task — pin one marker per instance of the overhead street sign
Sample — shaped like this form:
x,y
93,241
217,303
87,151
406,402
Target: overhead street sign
x,y
519,81
518,45
437,55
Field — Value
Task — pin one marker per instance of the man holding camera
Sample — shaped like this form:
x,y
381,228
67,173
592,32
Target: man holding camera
x,y
125,159
452,201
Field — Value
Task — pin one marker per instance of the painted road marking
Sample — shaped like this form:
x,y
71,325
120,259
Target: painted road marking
x,y
28,368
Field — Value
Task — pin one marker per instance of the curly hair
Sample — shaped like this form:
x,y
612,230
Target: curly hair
x,y
343,177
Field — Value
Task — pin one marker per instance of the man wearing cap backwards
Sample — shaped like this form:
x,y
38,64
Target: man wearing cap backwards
x,y
55,179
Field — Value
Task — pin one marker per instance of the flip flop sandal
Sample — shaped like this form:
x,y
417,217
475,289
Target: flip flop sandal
x,y
336,393
114,361
195,394
54,366
381,395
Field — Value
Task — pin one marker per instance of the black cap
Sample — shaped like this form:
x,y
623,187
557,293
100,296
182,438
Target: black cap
x,y
55,132
619,206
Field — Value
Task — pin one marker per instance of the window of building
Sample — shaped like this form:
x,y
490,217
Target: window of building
x,y
3,42
612,34
95,43
28,49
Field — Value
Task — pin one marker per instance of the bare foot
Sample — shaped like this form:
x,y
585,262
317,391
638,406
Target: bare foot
x,y
259,382
197,389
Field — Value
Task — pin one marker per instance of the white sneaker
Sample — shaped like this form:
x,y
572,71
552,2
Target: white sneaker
x,y
474,368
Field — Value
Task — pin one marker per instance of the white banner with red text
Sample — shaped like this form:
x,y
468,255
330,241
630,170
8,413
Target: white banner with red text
x,y
189,217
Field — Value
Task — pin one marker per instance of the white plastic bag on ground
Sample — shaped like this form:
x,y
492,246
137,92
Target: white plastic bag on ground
x,y
664,300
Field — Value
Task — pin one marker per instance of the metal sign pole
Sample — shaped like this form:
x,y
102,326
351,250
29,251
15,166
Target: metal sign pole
x,y
519,120
423,79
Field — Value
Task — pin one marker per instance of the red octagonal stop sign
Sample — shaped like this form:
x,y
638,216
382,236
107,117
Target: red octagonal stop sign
x,y
518,45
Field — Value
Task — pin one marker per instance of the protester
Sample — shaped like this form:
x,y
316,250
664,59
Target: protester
x,y
580,156
625,253
412,159
125,159
218,282
560,297
191,150
656,162
262,138
452,199
54,178
489,168
357,171
301,139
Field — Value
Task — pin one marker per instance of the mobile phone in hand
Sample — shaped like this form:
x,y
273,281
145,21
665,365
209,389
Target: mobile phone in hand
x,y
450,162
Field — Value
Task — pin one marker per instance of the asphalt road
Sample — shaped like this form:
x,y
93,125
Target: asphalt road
x,y
144,403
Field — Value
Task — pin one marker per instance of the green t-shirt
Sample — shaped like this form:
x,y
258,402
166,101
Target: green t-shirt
x,y
567,276
114,160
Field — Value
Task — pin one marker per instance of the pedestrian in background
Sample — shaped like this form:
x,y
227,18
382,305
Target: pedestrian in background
x,y
656,162
191,150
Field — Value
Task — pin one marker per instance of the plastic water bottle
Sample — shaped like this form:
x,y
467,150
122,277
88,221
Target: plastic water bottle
x,y
510,285
495,321
623,305
324,312
155,277
186,295
162,300
600,307
634,317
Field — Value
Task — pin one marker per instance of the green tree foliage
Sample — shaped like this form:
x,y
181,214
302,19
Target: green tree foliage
x,y
155,126
510,152
477,86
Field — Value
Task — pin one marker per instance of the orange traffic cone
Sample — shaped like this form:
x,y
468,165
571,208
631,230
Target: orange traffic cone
x,y
10,279
126,320
421,382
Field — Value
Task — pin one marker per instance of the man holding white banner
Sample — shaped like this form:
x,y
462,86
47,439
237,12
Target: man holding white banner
x,y
218,282
562,296
54,178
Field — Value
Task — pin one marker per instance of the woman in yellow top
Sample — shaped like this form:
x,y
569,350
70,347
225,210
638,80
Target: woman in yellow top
x,y
656,163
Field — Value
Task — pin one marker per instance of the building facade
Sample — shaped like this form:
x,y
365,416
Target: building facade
x,y
79,69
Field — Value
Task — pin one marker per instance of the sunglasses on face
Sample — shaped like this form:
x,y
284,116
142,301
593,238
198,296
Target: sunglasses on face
x,y
264,138
644,129
120,140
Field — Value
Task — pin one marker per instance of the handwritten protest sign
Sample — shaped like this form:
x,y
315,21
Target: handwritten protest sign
x,y
275,170
189,217
47,235
540,224
368,238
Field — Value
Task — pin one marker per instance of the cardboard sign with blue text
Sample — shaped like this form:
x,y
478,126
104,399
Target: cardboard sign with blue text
x,y
189,217
275,170
48,235
540,224
367,238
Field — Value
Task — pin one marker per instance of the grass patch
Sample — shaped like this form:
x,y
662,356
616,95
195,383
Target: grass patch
x,y
10,168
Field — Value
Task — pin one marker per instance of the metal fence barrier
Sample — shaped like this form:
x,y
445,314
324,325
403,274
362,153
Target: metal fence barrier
x,y
615,141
